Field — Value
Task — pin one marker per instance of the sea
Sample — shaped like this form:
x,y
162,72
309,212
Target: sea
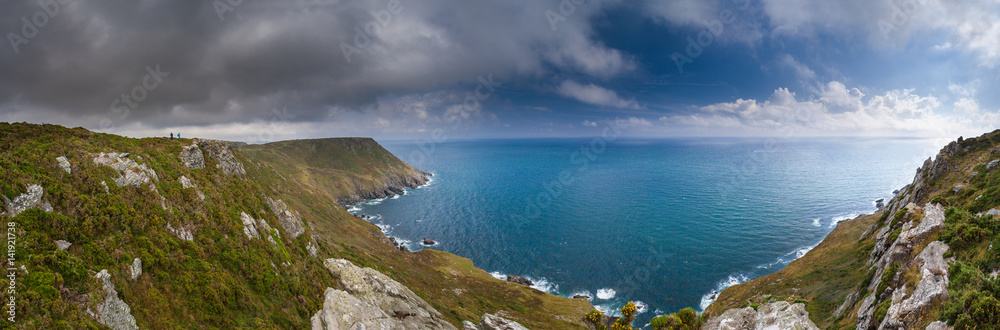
x,y
665,223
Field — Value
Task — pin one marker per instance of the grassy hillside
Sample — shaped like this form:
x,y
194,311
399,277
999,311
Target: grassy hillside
x,y
220,278
960,179
344,169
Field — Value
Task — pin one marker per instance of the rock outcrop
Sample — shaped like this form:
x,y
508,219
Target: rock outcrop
x,y
938,325
222,151
29,200
775,315
130,173
136,268
113,312
493,322
255,228
933,286
64,164
183,233
63,245
186,183
292,222
519,280
192,157
367,299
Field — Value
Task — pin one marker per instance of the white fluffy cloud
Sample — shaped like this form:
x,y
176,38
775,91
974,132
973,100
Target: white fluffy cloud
x,y
595,95
838,110
970,26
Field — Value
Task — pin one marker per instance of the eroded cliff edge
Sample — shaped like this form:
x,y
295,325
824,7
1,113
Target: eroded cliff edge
x,y
896,268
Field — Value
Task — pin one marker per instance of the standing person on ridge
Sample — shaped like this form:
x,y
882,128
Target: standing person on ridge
x,y
171,136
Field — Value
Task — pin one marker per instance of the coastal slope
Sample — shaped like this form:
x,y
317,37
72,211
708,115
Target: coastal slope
x,y
164,233
925,260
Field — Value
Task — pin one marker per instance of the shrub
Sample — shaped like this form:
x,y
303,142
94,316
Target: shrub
x,y
684,319
894,235
882,309
898,217
887,276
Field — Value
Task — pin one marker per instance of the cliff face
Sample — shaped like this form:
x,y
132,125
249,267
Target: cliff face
x,y
894,269
348,170
165,233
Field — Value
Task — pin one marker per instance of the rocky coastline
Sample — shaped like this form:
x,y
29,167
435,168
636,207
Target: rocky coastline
x,y
394,184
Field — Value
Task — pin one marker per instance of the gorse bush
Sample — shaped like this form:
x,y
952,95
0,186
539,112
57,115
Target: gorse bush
x,y
596,318
684,319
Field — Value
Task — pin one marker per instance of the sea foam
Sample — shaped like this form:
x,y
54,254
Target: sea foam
x,y
732,280
605,294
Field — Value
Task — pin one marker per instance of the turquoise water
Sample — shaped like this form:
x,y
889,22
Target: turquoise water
x,y
662,222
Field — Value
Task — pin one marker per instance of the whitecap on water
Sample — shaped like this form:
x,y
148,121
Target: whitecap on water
x,y
429,180
801,252
543,284
499,276
816,222
605,293
640,307
386,229
843,218
732,280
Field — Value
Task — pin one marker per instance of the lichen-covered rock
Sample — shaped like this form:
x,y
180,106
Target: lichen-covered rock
x,y
113,312
222,152
253,228
311,248
933,286
367,299
136,268
938,325
183,233
186,183
933,219
776,315
466,325
493,322
28,200
992,164
288,220
249,226
192,157
64,164
130,173
866,311
63,245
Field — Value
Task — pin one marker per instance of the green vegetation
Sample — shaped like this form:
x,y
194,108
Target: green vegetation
x,y
887,276
684,319
822,278
221,279
596,319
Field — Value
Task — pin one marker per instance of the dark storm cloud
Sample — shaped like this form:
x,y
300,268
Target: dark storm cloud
x,y
237,63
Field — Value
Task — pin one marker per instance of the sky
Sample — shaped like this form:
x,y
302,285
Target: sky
x,y
258,71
